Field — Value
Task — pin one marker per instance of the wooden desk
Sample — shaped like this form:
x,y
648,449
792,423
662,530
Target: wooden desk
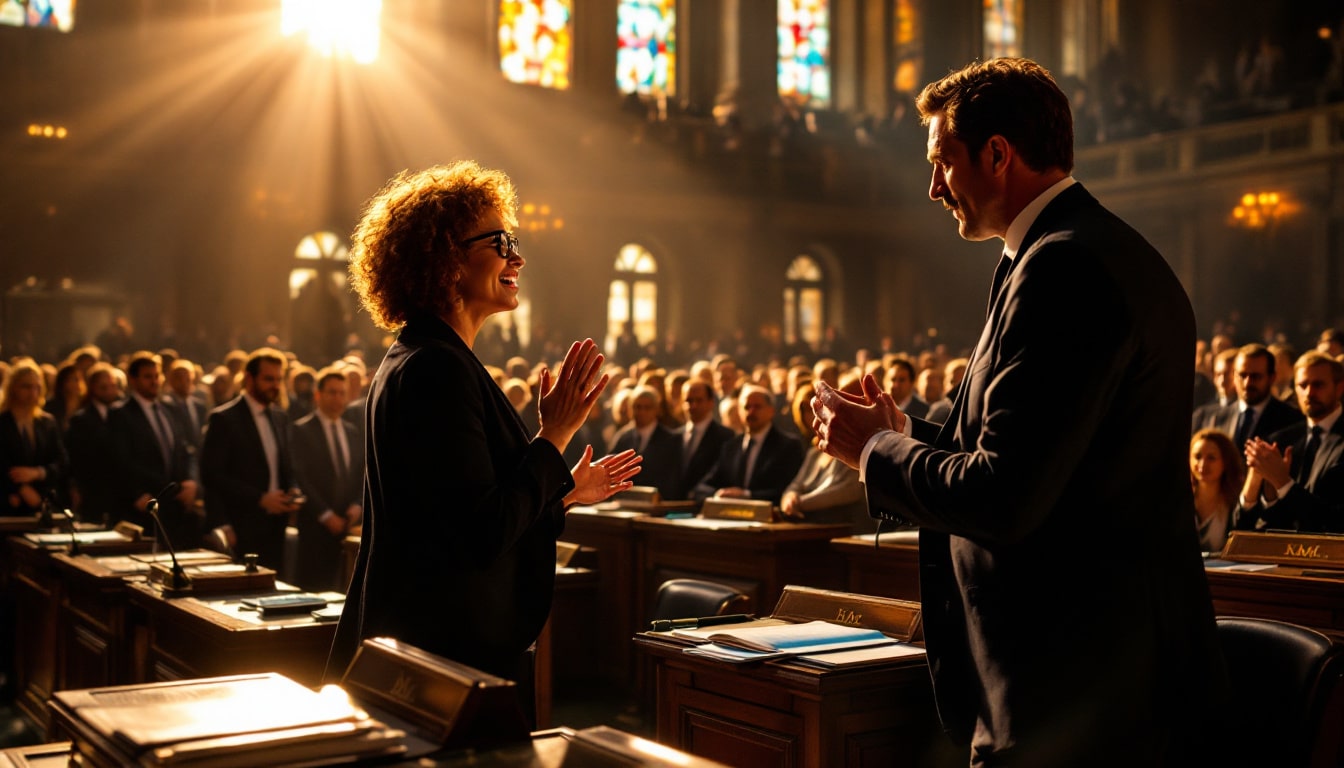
x,y
758,560
1280,593
565,634
889,569
188,637
782,714
608,658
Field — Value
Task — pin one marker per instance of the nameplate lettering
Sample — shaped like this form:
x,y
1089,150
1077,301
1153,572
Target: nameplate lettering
x,y
754,510
898,618
1300,549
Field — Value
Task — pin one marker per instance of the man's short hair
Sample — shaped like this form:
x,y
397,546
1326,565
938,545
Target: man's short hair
x,y
755,389
901,361
644,390
184,364
98,370
1227,356
1313,357
263,355
1252,351
325,375
1013,98
140,360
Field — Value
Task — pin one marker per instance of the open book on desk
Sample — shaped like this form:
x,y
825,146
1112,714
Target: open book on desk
x,y
761,643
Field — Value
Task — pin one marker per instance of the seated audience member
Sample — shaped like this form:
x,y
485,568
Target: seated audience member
x,y
1296,478
703,437
301,385
1209,415
329,462
356,375
1331,342
67,395
825,490
673,414
620,414
900,385
953,373
182,396
520,397
1255,413
222,386
929,386
32,455
647,437
761,463
1215,476
153,450
95,481
1284,356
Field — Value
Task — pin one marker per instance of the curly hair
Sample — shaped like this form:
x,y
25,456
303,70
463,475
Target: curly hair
x,y
406,256
1013,98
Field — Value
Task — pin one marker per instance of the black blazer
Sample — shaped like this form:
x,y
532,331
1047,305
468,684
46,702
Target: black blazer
x,y
141,468
94,467
661,467
1317,505
235,477
319,555
186,410
47,452
1065,511
461,511
705,456
777,462
1276,417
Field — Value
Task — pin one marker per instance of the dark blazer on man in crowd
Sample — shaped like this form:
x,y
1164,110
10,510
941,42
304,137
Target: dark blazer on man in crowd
x,y
94,467
319,555
704,457
1315,505
777,462
142,471
662,458
1277,416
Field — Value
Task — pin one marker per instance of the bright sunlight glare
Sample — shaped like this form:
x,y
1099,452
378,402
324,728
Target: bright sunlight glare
x,y
335,27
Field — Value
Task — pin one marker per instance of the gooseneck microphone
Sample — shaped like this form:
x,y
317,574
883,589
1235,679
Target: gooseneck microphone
x,y
179,577
70,518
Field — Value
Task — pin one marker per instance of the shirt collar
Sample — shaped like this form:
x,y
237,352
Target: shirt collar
x,y
1012,240
145,403
1328,423
253,405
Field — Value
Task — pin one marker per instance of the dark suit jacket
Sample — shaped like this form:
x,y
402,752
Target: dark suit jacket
x,y
47,451
706,455
141,469
186,409
235,477
1317,505
319,558
917,407
1277,416
777,462
461,512
94,467
662,458
1065,606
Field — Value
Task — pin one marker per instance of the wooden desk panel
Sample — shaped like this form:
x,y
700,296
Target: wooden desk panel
x,y
37,597
608,659
192,637
1280,593
889,569
780,714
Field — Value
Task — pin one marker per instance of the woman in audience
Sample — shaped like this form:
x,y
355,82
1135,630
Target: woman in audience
x,y
462,506
824,490
1215,476
68,394
32,457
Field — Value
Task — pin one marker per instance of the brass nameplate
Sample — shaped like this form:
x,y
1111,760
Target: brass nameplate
x,y
1312,550
897,618
754,510
211,578
564,552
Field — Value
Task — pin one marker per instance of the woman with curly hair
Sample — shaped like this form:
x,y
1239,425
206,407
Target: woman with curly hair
x,y
462,507
32,456
1215,476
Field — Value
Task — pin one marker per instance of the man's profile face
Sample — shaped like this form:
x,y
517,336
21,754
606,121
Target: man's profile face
x,y
265,386
961,182
1223,377
1252,374
1318,393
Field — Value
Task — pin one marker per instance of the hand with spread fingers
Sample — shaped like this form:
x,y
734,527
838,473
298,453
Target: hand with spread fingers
x,y
844,423
599,480
567,397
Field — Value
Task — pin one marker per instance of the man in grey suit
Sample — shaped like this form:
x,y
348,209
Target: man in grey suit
x,y
1067,617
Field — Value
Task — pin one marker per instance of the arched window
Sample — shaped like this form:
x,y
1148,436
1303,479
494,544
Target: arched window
x,y
633,298
804,301
320,301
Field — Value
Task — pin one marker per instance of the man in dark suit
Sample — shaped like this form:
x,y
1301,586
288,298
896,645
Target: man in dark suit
x,y
93,459
249,480
900,385
1296,478
1209,415
181,379
660,448
760,464
703,436
329,460
1066,613
153,452
1256,413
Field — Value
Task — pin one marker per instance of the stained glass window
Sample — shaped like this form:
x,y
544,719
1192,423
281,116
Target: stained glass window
x,y
804,67
646,52
1003,28
536,41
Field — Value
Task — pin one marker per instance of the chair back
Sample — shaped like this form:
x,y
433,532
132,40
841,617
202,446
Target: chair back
x,y
693,598
1289,677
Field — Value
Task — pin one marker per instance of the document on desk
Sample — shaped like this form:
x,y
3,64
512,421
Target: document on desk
x,y
772,642
716,525
860,657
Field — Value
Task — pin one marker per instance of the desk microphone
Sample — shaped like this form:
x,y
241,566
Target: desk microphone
x,y
44,518
74,542
179,577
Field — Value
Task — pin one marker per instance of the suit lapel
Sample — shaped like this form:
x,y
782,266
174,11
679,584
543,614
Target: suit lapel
x,y
1328,454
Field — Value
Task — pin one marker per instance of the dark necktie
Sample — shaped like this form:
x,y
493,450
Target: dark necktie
x,y
1245,422
1309,455
342,458
1000,276
165,437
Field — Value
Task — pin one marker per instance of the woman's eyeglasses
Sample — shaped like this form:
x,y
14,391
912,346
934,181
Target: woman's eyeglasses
x,y
506,243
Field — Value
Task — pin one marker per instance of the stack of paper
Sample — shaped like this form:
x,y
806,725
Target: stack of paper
x,y
761,643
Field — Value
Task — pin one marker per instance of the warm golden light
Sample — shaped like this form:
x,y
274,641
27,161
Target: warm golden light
x,y
1261,209
335,27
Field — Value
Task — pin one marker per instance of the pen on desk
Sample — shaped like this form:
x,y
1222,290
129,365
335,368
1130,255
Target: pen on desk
x,y
667,625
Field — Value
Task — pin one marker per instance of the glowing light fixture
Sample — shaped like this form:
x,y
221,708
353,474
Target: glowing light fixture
x,y
335,27
1258,210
